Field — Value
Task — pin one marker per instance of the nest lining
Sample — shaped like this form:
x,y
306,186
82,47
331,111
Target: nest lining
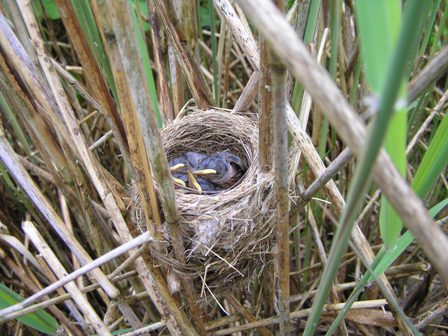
x,y
227,234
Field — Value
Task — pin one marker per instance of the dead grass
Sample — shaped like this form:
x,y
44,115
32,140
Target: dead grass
x,y
71,143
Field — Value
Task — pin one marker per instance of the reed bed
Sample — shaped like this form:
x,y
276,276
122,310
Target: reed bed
x,y
338,111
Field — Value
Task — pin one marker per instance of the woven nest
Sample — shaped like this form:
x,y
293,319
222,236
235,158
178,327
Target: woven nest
x,y
227,234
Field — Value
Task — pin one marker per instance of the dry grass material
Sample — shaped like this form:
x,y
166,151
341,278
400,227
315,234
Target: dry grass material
x,y
227,234
70,143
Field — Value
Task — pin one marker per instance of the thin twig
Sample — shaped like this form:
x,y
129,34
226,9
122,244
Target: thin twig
x,y
139,240
55,265
427,121
10,160
436,68
145,329
196,81
300,314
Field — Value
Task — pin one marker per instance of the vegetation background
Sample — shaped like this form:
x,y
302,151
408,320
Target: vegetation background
x,y
360,236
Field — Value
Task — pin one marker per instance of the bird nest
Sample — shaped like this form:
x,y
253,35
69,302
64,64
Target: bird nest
x,y
227,234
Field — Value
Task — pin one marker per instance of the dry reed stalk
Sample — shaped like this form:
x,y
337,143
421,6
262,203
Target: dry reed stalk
x,y
176,77
69,193
227,69
46,100
191,70
307,100
265,109
89,313
67,278
426,123
145,329
231,74
68,222
19,26
63,172
313,77
246,314
92,72
120,18
303,120
138,158
420,83
186,14
302,314
162,76
430,73
9,158
280,155
220,60
246,97
298,15
301,137
63,113
265,148
37,122
66,297
304,113
24,278
323,257
176,80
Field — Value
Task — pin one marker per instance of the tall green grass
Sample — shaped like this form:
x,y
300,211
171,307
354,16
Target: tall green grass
x,y
379,25
88,25
143,50
390,89
308,36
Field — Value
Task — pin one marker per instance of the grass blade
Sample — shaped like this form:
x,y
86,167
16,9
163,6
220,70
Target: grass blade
x,y
434,161
310,29
379,24
147,67
88,25
381,263
433,164
376,135
40,320
12,119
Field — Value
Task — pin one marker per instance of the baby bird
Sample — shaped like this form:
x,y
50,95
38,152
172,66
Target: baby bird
x,y
194,158
223,169
178,168
206,186
207,173
181,169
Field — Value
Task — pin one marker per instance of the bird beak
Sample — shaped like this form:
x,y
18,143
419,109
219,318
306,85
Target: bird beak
x,y
192,182
204,172
179,181
175,168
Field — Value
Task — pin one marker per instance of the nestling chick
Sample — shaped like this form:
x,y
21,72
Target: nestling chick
x,y
182,167
228,169
178,168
